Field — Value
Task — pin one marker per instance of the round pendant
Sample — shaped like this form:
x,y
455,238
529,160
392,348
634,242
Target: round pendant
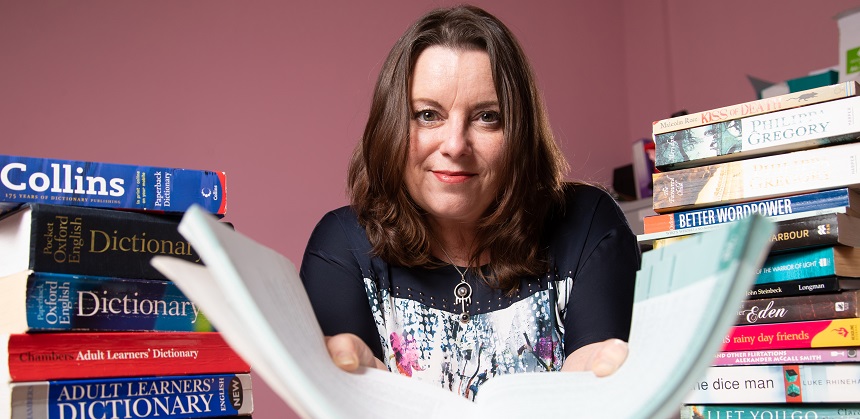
x,y
464,317
463,291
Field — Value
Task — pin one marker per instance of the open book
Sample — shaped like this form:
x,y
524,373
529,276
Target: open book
x,y
686,300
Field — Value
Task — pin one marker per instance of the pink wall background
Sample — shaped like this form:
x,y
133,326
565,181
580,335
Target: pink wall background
x,y
275,93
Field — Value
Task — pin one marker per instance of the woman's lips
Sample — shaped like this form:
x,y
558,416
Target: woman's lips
x,y
452,177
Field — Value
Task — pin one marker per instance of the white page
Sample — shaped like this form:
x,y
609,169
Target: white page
x,y
275,331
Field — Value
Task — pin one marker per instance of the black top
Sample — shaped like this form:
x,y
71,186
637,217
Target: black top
x,y
411,321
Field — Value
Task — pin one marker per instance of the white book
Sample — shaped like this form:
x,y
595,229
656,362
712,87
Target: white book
x,y
686,300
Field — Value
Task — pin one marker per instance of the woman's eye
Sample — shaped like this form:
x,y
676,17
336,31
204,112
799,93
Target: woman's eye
x,y
490,117
426,116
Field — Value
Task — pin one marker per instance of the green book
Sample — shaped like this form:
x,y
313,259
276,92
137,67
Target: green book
x,y
686,300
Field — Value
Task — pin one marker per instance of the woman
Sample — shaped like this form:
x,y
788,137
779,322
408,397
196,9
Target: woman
x,y
464,254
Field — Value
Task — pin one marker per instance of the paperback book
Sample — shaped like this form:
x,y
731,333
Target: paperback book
x,y
788,383
806,231
174,397
685,222
88,241
108,185
811,263
757,107
49,302
757,178
814,286
772,411
248,286
791,335
787,356
60,356
817,125
837,305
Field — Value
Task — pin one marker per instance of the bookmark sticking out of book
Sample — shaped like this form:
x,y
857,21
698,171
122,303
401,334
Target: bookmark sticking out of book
x,y
686,300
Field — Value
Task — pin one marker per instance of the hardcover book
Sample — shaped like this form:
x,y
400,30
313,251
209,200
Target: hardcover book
x,y
787,356
757,178
757,107
174,397
61,356
772,411
811,263
43,302
693,221
789,383
823,285
88,241
108,185
838,305
805,334
262,309
810,126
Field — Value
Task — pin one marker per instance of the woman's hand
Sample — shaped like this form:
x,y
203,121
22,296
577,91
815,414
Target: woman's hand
x,y
349,352
601,358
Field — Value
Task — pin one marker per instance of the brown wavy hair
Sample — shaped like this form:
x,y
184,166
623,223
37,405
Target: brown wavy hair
x,y
532,173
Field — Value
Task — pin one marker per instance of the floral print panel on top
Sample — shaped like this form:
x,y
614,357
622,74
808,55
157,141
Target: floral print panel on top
x,y
435,346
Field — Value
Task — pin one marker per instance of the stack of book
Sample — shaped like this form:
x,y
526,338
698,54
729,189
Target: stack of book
x,y
88,328
793,158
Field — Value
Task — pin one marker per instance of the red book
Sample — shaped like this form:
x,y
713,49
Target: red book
x,y
58,356
805,334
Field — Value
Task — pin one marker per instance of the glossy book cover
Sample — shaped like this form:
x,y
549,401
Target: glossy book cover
x,y
59,302
108,185
195,396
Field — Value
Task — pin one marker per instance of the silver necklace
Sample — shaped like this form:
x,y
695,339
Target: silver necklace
x,y
462,291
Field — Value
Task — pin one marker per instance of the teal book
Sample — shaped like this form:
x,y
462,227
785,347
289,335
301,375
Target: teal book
x,y
686,300
774,411
837,260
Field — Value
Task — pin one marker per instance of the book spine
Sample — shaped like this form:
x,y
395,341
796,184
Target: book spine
x,y
90,241
196,396
801,264
841,305
109,185
757,178
814,286
61,356
805,334
771,411
786,356
788,383
682,221
816,231
780,220
791,129
58,302
756,107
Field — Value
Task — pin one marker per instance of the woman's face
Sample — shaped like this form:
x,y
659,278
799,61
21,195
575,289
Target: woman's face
x,y
456,139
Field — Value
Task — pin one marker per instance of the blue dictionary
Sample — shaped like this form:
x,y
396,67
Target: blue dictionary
x,y
60,302
108,185
842,261
191,396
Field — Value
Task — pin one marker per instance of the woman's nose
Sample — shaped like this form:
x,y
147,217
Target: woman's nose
x,y
455,140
